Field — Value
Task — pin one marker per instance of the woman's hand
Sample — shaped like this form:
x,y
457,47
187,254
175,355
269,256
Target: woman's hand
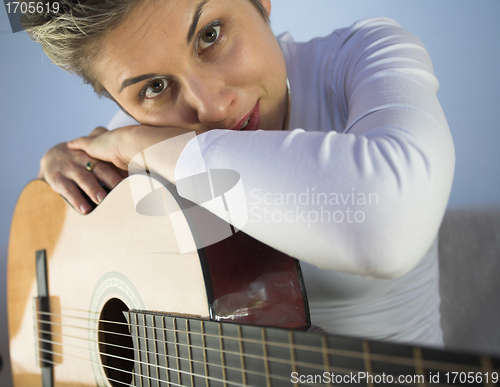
x,y
65,171
119,146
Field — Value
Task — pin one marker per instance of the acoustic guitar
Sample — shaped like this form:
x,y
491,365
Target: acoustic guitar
x,y
109,299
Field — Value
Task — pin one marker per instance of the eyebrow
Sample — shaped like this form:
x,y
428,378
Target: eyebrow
x,y
132,81
194,23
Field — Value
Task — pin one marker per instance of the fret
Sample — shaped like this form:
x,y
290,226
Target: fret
x,y
308,354
170,337
278,356
232,354
170,350
292,354
137,379
242,358
205,358
344,355
152,354
252,349
222,357
266,360
419,366
185,359
389,359
143,348
177,356
161,347
183,352
367,360
196,347
212,338
190,352
326,361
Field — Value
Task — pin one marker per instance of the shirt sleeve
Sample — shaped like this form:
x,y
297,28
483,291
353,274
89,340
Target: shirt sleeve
x,y
366,200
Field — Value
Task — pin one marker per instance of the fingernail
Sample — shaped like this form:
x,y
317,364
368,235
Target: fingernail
x,y
101,195
85,207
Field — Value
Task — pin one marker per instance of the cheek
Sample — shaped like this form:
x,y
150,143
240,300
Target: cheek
x,y
247,62
267,63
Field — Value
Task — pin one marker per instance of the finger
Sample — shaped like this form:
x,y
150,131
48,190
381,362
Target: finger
x,y
78,143
70,191
94,147
98,131
82,159
88,182
107,174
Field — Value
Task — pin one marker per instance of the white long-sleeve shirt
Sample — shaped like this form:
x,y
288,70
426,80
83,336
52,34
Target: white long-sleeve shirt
x,y
357,186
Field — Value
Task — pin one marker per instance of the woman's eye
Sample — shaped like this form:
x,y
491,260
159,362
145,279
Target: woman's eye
x,y
208,36
156,87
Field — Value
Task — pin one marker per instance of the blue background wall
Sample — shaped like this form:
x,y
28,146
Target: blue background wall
x,y
41,105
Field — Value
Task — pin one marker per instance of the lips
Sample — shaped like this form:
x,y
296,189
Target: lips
x,y
251,121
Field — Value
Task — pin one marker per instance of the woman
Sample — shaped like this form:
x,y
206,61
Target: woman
x,y
350,173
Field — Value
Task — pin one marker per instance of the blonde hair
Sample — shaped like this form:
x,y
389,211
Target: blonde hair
x,y
72,37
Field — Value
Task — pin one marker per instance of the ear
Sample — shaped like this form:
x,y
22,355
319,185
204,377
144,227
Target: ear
x,y
267,5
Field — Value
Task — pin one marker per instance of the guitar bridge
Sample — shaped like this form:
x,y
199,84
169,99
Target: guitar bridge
x,y
42,324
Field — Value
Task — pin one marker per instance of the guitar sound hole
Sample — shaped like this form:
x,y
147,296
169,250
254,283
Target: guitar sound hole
x,y
115,344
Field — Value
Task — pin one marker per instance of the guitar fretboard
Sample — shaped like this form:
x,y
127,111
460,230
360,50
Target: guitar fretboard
x,y
174,351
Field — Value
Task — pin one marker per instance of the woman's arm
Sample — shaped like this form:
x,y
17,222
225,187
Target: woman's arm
x,y
392,165
367,200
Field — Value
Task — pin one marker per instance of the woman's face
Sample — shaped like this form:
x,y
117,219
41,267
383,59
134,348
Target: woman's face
x,y
194,64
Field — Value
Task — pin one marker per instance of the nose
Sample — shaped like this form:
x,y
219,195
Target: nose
x,y
209,98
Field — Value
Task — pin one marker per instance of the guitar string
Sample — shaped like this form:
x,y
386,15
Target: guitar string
x,y
242,370
169,356
169,369
83,360
442,366
177,371
143,376
386,358
338,370
259,342
86,372
225,352
171,383
250,341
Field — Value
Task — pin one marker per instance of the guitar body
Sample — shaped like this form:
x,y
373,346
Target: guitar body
x,y
107,299
101,265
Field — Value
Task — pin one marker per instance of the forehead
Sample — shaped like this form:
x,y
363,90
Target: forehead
x,y
148,18
153,30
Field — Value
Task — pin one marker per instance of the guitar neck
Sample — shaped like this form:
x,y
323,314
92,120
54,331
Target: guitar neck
x,y
192,352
